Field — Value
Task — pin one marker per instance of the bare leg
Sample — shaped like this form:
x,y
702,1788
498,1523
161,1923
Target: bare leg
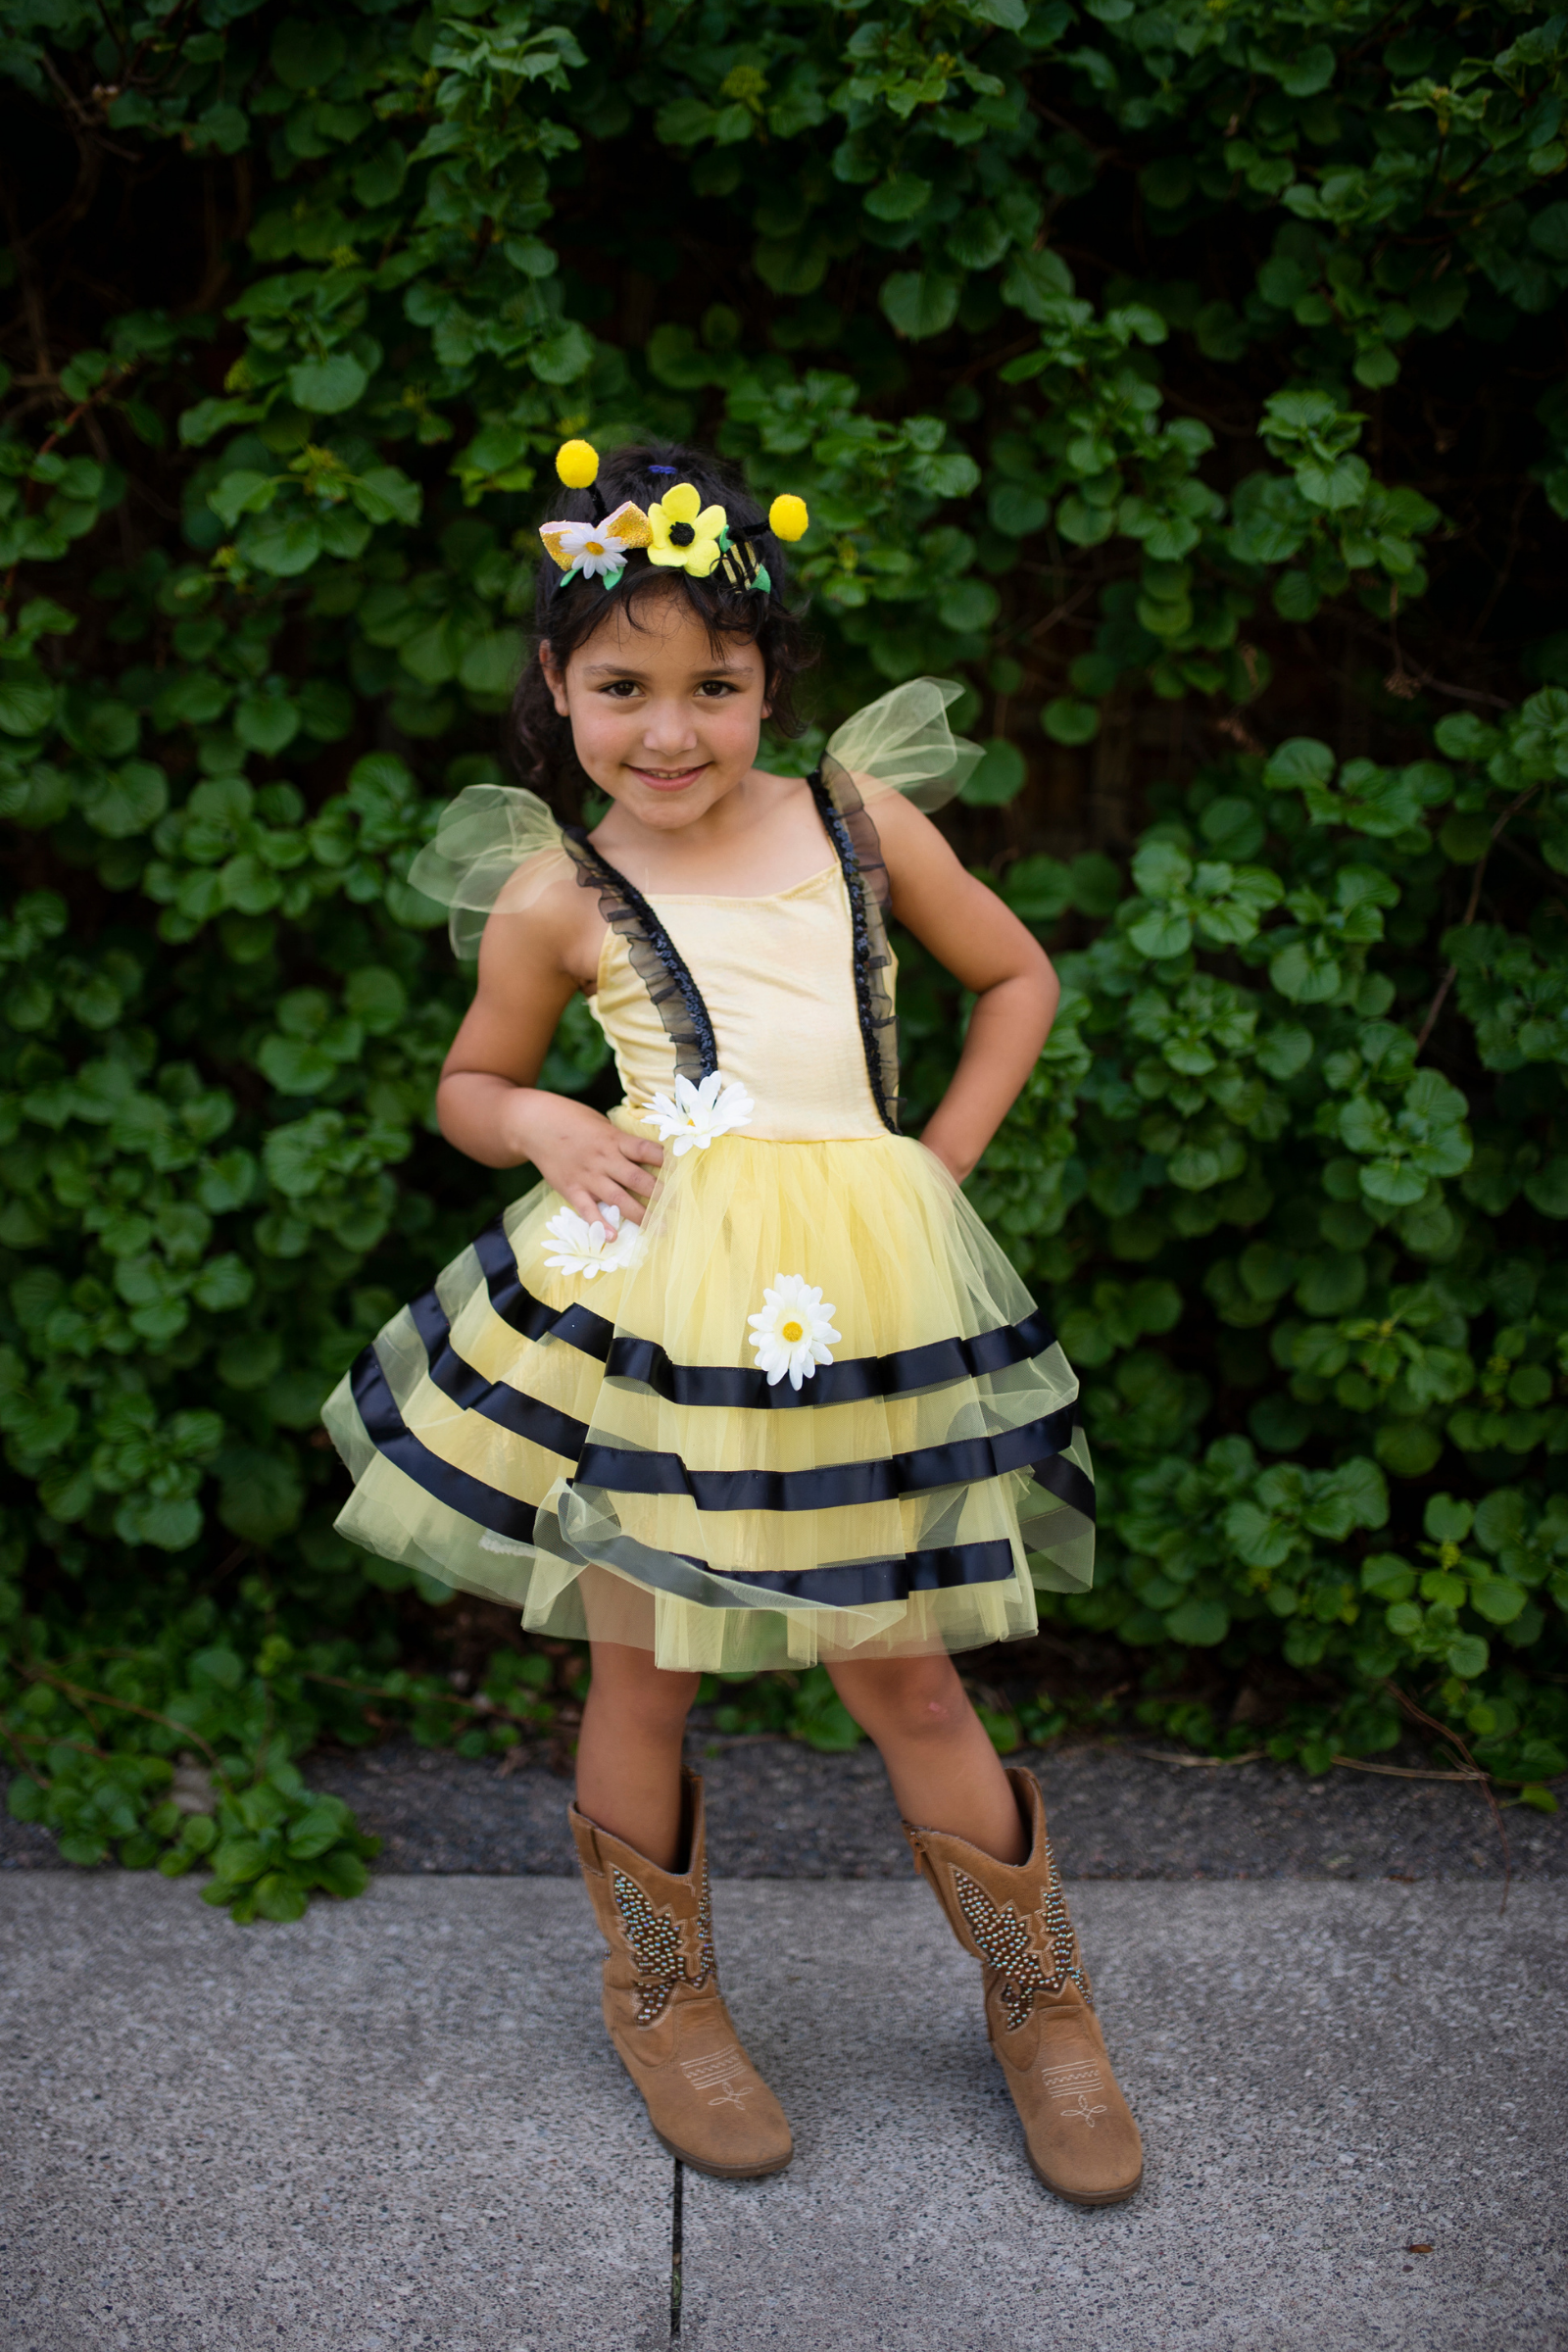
x,y
629,1751
946,1775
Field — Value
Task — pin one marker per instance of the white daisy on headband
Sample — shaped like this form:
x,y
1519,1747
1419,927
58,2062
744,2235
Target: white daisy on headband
x,y
606,1246
791,1332
700,1112
597,549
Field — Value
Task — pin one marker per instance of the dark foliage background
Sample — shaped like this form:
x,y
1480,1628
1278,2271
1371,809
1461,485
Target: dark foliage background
x,y
1189,379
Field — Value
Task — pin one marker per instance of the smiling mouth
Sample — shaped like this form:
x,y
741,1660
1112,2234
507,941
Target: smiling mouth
x,y
668,779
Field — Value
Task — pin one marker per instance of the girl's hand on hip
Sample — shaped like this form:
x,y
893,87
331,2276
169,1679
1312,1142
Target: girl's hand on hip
x,y
588,1161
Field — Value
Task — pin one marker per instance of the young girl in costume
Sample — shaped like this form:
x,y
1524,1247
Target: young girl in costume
x,y
742,1383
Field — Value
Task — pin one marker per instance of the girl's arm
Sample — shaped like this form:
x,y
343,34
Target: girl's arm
x,y
982,944
487,1102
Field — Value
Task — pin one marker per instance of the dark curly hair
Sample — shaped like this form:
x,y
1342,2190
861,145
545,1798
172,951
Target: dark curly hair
x,y
539,739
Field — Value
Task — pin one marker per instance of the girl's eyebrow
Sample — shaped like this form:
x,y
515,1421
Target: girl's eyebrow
x,y
629,670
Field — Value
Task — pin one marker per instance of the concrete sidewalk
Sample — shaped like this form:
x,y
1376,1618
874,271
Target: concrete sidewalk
x,y
397,2124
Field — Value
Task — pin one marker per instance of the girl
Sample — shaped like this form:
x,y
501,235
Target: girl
x,y
757,1389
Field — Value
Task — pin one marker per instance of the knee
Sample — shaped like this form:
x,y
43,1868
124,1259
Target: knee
x,y
905,1699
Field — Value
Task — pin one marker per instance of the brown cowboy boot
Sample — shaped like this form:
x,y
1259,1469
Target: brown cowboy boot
x,y
664,2010
1040,2014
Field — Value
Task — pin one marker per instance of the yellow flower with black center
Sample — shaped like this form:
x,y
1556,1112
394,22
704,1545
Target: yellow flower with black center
x,y
685,533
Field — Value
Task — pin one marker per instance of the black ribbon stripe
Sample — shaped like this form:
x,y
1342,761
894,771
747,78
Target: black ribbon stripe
x,y
1068,1483
831,1486
857,1584
851,1379
496,1401
486,1506
836,1585
578,1325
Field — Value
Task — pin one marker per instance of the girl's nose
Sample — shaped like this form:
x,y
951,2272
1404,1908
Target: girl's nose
x,y
669,727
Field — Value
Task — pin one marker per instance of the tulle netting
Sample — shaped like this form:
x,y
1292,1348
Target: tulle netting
x,y
605,1457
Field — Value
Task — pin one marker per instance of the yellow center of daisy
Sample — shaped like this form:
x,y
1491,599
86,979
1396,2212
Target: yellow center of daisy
x,y
792,1332
595,547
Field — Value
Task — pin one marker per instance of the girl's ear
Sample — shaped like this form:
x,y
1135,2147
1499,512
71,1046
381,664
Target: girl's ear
x,y
555,677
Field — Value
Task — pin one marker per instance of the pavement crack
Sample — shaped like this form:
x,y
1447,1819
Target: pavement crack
x,y
676,2206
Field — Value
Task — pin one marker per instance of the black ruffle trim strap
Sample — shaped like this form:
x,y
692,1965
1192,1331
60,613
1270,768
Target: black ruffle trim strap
x,y
675,995
866,878
655,957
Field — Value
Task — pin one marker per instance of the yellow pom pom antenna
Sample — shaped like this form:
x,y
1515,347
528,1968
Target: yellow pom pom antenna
x,y
787,517
578,463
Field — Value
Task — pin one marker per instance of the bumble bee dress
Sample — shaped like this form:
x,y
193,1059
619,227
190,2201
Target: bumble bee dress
x,y
808,1409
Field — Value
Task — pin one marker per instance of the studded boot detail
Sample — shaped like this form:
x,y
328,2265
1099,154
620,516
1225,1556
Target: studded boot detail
x,y
664,2010
1079,2132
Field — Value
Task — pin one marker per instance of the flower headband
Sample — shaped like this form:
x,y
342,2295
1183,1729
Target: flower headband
x,y
678,532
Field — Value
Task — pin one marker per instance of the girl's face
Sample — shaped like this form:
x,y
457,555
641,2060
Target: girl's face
x,y
662,721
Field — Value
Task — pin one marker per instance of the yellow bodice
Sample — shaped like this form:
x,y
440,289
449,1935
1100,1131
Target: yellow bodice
x,y
777,976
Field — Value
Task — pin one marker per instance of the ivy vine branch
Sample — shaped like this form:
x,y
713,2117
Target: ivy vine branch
x,y
1471,911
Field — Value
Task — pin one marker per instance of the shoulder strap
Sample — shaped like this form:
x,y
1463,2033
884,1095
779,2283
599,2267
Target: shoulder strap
x,y
655,957
853,836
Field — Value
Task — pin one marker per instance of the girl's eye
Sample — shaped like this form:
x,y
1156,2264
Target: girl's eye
x,y
621,688
716,688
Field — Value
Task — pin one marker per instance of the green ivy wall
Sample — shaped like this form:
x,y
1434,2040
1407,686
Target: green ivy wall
x,y
1187,379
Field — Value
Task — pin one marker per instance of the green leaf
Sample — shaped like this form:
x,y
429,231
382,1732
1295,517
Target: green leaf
x,y
266,723
325,387
26,709
341,1873
295,1065
280,1896
1198,1623
899,198
1388,1578
921,303
1301,761
1307,71
261,1495
24,1798
127,801
1000,777
1548,1189
1467,1656
1498,1599
284,542
684,121
242,492
491,664
1067,720
238,1860
306,52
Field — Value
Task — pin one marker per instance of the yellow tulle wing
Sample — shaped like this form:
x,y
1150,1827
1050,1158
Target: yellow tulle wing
x,y
902,742
490,836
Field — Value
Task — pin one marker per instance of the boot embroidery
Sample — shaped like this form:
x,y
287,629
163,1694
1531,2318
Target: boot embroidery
x,y
725,2067
1011,1945
656,1943
1076,2085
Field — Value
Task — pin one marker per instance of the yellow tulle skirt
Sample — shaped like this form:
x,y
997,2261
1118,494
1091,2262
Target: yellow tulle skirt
x,y
605,1455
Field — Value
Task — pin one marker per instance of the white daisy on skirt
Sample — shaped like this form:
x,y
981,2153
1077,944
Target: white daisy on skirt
x,y
700,1112
791,1330
604,1247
